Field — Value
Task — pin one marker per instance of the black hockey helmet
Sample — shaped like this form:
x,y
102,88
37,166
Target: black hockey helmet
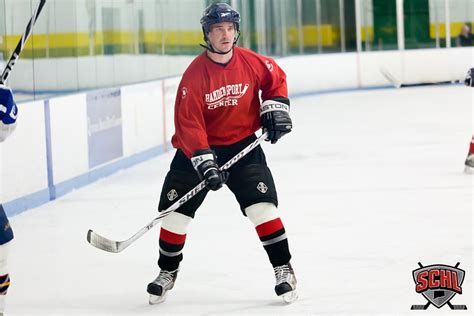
x,y
217,13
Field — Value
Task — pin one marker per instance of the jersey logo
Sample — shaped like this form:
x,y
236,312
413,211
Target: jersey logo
x,y
184,92
269,65
226,95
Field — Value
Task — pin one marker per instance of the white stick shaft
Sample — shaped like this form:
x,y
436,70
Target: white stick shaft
x,y
105,244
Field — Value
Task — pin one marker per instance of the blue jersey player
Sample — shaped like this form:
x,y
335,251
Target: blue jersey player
x,y
8,113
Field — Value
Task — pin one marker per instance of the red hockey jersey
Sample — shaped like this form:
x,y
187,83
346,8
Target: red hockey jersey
x,y
219,104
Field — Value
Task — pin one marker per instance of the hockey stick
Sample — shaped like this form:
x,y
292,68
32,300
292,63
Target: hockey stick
x,y
106,244
21,44
388,75
397,83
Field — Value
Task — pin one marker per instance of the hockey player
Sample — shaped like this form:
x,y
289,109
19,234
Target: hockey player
x,y
8,113
217,112
469,163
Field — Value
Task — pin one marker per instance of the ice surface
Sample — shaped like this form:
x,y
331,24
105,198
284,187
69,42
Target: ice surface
x,y
370,183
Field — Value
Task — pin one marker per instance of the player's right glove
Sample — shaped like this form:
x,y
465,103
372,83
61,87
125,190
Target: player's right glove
x,y
204,161
469,81
8,108
275,118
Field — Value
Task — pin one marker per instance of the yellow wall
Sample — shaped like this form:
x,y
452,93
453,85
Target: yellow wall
x,y
76,44
455,29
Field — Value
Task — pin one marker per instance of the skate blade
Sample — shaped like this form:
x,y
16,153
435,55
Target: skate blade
x,y
155,299
290,297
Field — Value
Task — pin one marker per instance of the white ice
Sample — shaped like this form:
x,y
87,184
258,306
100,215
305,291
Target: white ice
x,y
370,183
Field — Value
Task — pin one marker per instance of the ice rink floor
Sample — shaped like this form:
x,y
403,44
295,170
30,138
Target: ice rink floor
x,y
370,183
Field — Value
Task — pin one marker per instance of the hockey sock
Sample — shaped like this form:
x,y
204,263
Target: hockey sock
x,y
4,284
172,239
271,232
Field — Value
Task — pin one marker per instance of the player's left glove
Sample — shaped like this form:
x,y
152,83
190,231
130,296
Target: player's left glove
x,y
275,118
8,108
469,81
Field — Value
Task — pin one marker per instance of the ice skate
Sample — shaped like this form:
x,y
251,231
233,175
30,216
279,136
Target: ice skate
x,y
285,283
158,289
469,164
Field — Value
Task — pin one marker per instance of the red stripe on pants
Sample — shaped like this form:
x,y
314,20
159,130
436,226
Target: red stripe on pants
x,y
172,238
269,227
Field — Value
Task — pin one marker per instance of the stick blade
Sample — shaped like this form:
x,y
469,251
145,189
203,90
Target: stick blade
x,y
388,75
102,243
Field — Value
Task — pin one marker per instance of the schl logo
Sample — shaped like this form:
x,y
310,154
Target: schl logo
x,y
438,283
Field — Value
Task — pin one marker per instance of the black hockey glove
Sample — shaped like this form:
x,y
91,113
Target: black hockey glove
x,y
275,118
204,161
469,81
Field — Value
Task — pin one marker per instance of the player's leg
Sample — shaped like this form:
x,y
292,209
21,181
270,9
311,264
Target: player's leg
x,y
180,179
252,184
469,163
6,235
266,219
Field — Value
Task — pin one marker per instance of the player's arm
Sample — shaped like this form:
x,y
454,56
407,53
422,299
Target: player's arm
x,y
8,112
275,108
469,80
190,125
189,120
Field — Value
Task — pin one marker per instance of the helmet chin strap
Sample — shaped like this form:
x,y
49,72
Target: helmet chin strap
x,y
212,50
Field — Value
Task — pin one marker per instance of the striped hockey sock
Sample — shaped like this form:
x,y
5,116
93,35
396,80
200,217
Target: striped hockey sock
x,y
271,232
273,238
171,246
4,284
172,239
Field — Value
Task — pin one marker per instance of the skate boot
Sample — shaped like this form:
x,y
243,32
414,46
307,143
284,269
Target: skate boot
x,y
469,164
158,289
285,283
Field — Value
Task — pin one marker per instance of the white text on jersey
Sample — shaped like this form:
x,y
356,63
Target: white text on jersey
x,y
226,95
